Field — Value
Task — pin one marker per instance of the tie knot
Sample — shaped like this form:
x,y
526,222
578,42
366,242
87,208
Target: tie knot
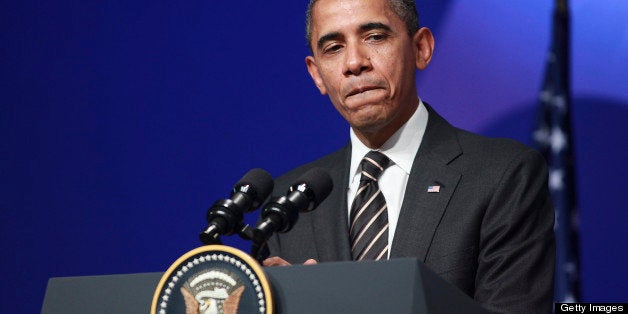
x,y
373,164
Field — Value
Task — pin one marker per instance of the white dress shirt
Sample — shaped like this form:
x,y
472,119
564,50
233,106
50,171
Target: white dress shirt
x,y
401,149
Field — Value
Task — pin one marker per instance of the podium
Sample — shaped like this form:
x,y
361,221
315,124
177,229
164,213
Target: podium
x,y
394,286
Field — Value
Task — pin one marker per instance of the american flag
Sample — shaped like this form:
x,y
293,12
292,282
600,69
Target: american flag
x,y
433,189
553,139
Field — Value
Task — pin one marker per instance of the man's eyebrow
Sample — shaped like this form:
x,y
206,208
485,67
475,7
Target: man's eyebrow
x,y
375,25
327,37
364,28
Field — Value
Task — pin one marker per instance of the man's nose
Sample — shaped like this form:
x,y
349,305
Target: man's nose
x,y
357,60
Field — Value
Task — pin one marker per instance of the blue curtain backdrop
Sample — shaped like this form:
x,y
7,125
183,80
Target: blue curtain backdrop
x,y
121,122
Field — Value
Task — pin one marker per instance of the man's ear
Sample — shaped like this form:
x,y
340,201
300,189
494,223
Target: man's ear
x,y
424,43
312,68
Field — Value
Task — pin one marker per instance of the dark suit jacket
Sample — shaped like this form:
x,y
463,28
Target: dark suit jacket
x,y
489,231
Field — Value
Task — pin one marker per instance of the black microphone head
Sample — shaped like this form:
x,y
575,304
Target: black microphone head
x,y
280,214
316,184
257,184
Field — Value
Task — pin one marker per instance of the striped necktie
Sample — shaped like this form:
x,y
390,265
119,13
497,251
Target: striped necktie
x,y
369,217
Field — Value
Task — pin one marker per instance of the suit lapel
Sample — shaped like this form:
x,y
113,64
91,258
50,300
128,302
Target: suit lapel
x,y
329,221
421,211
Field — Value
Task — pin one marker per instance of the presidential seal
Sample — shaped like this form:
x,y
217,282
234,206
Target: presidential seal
x,y
213,279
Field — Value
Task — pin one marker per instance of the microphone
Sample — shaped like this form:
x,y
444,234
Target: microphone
x,y
225,216
280,214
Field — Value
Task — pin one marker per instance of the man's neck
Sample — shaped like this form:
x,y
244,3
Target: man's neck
x,y
374,139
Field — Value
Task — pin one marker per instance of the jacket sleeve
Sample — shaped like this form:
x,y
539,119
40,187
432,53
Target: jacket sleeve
x,y
517,249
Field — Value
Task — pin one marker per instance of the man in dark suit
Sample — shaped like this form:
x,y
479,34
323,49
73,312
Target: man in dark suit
x,y
477,211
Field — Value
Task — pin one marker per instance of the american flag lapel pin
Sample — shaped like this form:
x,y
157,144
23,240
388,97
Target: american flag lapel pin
x,y
433,189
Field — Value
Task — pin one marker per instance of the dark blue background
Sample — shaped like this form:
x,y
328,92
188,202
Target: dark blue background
x,y
121,122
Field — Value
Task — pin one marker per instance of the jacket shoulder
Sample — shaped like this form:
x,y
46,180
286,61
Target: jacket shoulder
x,y
493,150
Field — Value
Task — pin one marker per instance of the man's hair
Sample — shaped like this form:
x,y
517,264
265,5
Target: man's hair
x,y
405,10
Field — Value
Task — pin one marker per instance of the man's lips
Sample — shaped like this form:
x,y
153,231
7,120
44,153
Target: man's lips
x,y
359,90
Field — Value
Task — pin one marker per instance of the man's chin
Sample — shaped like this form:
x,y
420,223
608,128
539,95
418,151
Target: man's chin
x,y
368,126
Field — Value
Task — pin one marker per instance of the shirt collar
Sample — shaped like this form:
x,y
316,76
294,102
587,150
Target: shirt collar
x,y
401,147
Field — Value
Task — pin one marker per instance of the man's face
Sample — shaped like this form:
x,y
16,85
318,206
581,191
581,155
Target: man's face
x,y
364,60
